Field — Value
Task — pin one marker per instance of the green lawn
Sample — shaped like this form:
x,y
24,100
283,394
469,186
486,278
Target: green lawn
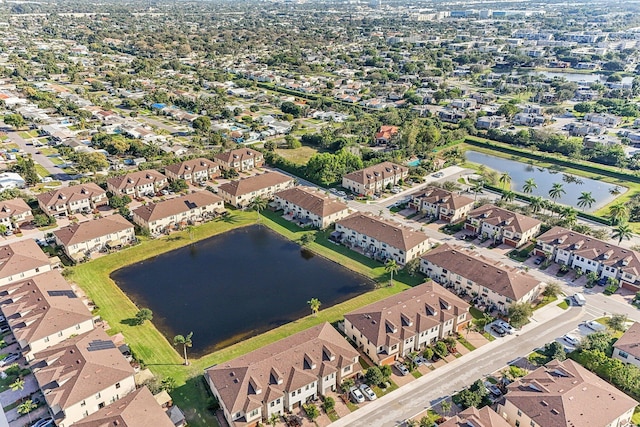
x,y
40,170
636,416
564,304
151,347
416,374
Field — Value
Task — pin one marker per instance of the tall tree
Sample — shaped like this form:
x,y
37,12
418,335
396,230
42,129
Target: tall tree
x,y
586,200
622,232
508,196
505,179
258,204
618,213
477,188
186,342
556,191
391,267
314,305
536,203
529,186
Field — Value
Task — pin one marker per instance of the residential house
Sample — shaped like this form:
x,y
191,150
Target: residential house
x,y
82,375
84,238
73,199
386,134
241,159
627,347
375,179
379,238
451,115
602,119
137,184
406,322
529,119
282,376
469,273
491,122
307,206
565,394
472,417
241,192
21,260
441,204
14,212
137,409
194,170
43,311
590,254
162,216
504,226
11,179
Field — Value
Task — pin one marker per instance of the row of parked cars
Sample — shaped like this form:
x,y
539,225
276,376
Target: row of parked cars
x,y
358,394
502,328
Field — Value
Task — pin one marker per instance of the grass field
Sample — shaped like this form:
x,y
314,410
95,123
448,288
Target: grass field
x,y
40,170
151,347
299,156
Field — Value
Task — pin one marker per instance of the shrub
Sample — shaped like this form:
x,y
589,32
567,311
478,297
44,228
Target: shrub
x,y
441,349
374,376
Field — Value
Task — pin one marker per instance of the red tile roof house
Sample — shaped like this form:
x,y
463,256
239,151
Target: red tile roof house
x,y
241,192
110,232
471,273
304,204
21,260
386,134
565,394
14,212
590,254
281,376
137,184
380,239
473,417
82,375
441,204
627,348
194,170
406,322
375,179
504,226
43,311
241,159
74,199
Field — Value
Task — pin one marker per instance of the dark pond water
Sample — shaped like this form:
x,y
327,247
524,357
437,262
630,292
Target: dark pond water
x,y
234,286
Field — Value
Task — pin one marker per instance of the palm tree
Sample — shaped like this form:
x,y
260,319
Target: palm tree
x,y
391,267
529,186
26,408
556,191
314,305
273,420
508,196
258,204
445,405
622,231
618,213
536,203
505,179
185,341
586,200
570,216
477,188
190,229
17,385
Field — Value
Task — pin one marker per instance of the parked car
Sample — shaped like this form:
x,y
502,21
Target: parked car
x,y
400,367
579,299
507,327
366,390
539,260
493,389
10,358
602,281
498,330
357,395
42,422
4,329
571,339
594,326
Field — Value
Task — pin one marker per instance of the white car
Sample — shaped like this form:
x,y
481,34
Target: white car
x,y
595,326
357,395
9,359
400,367
571,339
366,390
507,327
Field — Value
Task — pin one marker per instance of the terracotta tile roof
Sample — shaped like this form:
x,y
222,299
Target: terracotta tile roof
x,y
191,166
73,193
41,306
406,314
13,207
21,256
136,179
254,183
392,234
591,248
239,154
376,173
473,417
137,409
78,368
629,342
503,218
566,394
285,365
313,201
386,132
166,208
501,279
89,230
441,197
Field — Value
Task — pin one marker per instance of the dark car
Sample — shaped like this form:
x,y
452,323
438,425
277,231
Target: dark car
x,y
602,281
539,260
498,330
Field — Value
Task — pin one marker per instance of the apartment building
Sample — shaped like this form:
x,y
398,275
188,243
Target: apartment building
x,y
439,203
282,376
590,254
565,394
81,375
14,212
627,347
21,260
375,179
307,206
502,225
138,184
470,273
241,159
180,211
240,193
71,200
194,170
43,311
406,322
380,239
84,238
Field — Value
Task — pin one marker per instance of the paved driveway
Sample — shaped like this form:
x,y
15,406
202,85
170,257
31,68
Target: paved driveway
x,y
8,397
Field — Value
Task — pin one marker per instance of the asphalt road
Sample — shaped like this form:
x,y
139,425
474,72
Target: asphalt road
x,y
56,172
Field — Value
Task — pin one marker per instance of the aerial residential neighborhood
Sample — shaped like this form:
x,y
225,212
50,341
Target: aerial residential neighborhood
x,y
314,213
